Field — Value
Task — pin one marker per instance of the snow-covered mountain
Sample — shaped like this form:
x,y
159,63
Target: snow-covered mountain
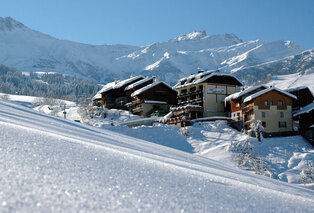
x,y
29,50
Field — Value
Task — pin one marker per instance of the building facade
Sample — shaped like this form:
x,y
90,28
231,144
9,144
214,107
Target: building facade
x,y
157,96
208,90
112,95
273,107
234,103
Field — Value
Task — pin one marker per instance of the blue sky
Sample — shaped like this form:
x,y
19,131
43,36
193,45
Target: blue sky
x,y
142,22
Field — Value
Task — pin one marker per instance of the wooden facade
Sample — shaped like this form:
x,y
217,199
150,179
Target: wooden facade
x,y
114,96
234,103
129,91
305,118
304,96
157,96
181,116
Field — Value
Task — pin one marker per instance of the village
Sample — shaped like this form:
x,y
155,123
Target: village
x,y
212,95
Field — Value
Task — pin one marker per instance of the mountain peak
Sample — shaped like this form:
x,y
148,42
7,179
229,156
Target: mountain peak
x,y
194,35
10,24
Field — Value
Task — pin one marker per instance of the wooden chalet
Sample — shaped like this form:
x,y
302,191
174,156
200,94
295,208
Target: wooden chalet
x,y
137,85
112,95
234,103
182,116
157,96
304,96
305,117
273,107
207,89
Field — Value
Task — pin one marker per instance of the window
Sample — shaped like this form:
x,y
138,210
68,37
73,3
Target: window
x,y
271,103
264,124
238,114
238,104
266,103
280,103
281,114
192,89
282,124
263,115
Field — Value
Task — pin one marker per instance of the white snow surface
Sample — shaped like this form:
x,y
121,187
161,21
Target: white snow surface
x,y
131,86
52,164
118,84
294,80
201,77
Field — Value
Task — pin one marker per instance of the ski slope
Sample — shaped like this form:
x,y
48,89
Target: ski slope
x,y
51,164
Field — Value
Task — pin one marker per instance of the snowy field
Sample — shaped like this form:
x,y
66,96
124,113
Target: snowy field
x,y
294,80
51,164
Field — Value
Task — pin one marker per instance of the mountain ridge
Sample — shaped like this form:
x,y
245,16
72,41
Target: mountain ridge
x,y
30,50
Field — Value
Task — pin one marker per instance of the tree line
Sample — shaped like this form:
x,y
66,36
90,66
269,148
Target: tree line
x,y
49,85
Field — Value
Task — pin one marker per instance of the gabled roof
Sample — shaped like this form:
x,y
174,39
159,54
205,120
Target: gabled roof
x,y
255,95
131,86
204,76
244,92
119,84
308,108
296,89
143,89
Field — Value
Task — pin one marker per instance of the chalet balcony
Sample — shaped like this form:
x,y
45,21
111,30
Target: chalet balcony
x,y
195,92
247,109
187,94
196,101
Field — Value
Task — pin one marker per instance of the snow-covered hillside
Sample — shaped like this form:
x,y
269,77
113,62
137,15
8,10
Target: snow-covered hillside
x,y
294,80
302,63
27,50
52,164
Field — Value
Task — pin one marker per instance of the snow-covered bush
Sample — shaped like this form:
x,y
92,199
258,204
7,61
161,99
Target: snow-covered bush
x,y
247,159
258,129
307,175
185,131
87,111
242,146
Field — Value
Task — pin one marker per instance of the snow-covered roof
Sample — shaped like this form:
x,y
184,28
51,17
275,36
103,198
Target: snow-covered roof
x,y
296,89
131,86
97,96
185,106
118,84
312,126
255,95
244,92
149,86
308,108
201,77
154,102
